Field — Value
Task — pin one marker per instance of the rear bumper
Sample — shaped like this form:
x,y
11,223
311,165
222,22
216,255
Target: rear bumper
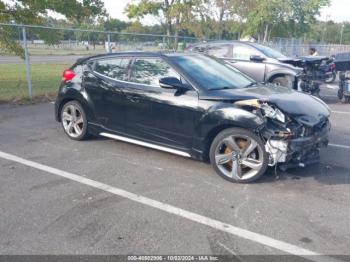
x,y
57,114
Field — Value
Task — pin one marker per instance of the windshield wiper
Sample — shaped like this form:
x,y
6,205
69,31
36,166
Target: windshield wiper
x,y
251,84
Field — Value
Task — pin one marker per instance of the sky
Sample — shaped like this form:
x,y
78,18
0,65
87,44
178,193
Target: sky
x,y
338,11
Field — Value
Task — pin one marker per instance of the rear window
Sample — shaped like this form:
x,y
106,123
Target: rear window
x,y
220,50
116,68
243,52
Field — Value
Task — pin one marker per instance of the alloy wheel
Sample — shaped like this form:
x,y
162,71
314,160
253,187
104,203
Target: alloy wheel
x,y
72,120
239,157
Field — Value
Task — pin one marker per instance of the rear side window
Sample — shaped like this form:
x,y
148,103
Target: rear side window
x,y
243,52
116,68
220,50
148,71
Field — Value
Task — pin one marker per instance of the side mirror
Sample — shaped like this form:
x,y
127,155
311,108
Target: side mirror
x,y
170,82
256,58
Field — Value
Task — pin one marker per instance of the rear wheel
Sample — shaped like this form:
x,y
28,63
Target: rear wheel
x,y
74,120
283,81
331,78
238,155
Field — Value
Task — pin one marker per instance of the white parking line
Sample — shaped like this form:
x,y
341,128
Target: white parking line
x,y
340,146
328,96
341,112
216,224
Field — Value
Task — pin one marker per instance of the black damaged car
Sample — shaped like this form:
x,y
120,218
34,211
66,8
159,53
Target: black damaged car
x,y
194,106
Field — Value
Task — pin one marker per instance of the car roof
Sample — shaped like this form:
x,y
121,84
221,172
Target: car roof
x,y
133,53
226,42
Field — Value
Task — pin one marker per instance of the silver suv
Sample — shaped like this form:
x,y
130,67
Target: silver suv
x,y
260,62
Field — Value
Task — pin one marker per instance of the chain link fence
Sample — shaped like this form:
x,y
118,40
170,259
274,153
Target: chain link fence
x,y
51,50
298,47
48,51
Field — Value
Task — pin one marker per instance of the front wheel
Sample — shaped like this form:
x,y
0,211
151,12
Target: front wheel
x,y
283,81
74,120
238,155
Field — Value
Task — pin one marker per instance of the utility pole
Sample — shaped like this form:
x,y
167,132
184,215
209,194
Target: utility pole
x,y
325,28
27,63
341,33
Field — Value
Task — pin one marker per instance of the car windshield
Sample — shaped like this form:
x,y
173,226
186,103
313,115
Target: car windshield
x,y
210,74
269,52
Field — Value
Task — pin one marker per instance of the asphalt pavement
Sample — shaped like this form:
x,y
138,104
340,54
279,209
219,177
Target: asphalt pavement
x,y
45,213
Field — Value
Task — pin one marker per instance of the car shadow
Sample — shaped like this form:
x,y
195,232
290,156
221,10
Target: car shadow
x,y
324,174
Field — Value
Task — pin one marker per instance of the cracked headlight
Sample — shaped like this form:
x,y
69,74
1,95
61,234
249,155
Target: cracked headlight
x,y
267,110
273,113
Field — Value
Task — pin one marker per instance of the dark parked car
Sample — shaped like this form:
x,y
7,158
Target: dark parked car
x,y
194,106
260,62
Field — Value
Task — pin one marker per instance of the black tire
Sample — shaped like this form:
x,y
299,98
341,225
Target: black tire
x,y
282,81
84,124
345,99
332,78
237,132
340,93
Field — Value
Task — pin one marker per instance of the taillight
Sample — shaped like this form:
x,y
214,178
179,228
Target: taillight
x,y
68,75
332,66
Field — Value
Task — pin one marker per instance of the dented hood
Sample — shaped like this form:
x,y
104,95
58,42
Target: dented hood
x,y
303,107
292,61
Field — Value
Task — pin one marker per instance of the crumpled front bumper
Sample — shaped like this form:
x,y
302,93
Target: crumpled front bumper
x,y
297,152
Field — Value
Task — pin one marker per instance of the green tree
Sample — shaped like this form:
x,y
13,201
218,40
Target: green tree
x,y
175,15
151,7
35,12
289,17
112,24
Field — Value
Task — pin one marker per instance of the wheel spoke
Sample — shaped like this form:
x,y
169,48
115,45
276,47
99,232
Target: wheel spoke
x,y
230,141
70,127
75,114
252,163
79,120
249,148
72,111
236,169
77,129
66,117
223,158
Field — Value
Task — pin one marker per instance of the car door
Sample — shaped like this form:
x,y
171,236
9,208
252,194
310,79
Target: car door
x,y
110,80
164,116
241,59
